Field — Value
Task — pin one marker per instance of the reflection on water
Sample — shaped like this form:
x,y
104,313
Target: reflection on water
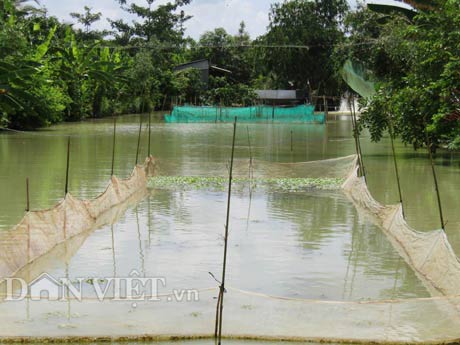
x,y
309,245
289,247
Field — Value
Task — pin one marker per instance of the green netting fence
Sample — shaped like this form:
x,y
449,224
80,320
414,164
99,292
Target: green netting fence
x,y
356,76
191,114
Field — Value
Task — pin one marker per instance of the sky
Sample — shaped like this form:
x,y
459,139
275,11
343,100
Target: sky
x,y
207,14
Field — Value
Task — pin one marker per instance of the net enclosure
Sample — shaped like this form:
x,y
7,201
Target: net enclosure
x,y
262,113
251,315
40,231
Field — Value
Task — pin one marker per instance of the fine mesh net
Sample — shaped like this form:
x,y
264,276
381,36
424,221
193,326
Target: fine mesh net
x,y
247,314
428,253
337,168
327,168
354,75
40,231
190,114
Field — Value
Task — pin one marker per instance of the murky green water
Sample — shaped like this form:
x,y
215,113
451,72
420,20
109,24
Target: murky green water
x,y
309,244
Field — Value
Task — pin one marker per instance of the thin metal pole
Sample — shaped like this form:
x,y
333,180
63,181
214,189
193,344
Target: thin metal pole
x,y
150,133
139,139
436,184
27,195
67,167
113,144
224,267
392,137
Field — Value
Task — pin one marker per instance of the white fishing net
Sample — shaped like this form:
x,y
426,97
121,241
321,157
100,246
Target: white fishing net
x,y
428,253
40,231
247,314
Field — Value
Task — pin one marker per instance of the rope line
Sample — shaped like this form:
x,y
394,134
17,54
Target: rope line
x,y
263,295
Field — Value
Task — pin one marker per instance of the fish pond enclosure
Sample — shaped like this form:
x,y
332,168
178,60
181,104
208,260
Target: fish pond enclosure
x,y
318,249
252,114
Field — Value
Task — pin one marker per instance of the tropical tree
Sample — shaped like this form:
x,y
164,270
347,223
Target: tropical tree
x,y
302,36
418,88
28,97
82,68
163,23
87,18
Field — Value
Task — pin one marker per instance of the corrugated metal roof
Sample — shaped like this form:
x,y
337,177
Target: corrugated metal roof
x,y
277,94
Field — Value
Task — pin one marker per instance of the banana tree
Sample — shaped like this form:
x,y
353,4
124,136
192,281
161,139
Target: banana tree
x,y
107,77
81,67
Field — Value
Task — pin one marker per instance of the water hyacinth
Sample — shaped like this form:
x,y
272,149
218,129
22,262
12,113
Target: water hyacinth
x,y
221,183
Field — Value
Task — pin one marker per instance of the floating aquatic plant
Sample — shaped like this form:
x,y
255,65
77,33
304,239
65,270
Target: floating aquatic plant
x,y
221,183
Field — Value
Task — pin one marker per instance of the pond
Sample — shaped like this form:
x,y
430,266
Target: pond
x,y
309,244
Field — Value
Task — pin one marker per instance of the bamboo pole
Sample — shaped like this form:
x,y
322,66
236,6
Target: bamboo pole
x,y
139,239
64,230
139,140
224,267
67,168
355,137
28,224
363,169
326,108
436,184
27,195
216,327
250,153
150,133
114,262
113,144
395,161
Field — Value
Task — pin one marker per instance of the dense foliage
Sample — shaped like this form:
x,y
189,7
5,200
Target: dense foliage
x,y
313,29
51,71
416,63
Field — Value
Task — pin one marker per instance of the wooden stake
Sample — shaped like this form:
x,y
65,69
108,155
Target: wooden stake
x,y
139,140
67,167
113,144
224,267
